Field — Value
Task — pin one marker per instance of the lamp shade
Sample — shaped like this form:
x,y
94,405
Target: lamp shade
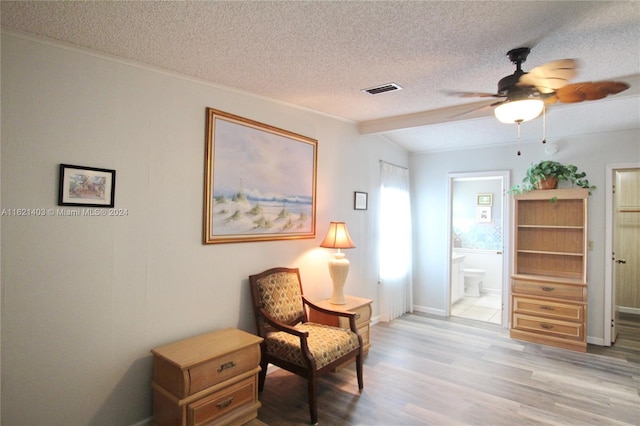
x,y
337,237
519,111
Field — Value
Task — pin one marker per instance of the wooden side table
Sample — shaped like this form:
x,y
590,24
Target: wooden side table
x,y
362,308
208,379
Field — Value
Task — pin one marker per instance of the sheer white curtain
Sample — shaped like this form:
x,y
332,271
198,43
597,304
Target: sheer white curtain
x,y
395,242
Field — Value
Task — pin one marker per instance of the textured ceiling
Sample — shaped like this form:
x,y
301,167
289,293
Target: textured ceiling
x,y
319,55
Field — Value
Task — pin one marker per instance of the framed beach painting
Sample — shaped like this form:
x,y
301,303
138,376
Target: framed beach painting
x,y
260,181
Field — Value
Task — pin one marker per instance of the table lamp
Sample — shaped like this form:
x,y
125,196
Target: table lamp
x,y
338,238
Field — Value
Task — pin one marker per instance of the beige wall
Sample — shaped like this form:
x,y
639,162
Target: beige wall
x,y
84,299
591,153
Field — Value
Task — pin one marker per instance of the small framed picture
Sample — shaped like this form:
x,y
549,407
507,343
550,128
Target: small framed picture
x,y
484,200
483,214
86,186
360,200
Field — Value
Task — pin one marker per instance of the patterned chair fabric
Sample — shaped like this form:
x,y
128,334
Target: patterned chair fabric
x,y
326,344
280,296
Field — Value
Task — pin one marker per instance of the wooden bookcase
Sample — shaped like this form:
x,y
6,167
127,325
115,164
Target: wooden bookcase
x,y
549,281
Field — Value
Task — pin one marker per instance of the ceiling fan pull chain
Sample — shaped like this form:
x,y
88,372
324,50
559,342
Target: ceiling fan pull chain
x,y
518,124
544,124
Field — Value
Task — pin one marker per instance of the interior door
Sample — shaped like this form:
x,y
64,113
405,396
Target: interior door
x,y
464,189
626,234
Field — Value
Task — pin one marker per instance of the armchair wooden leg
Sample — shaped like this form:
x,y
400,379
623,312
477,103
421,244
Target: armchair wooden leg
x,y
359,371
262,375
313,398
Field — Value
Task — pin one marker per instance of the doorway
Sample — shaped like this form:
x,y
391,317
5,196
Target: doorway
x,y
478,224
622,267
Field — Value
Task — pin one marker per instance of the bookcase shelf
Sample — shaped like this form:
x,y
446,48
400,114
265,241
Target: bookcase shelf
x,y
549,284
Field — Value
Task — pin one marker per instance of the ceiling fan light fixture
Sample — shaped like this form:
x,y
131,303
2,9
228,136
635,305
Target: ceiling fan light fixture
x,y
519,111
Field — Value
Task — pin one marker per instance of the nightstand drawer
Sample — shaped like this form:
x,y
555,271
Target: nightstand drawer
x,y
550,289
547,308
363,317
191,365
225,367
208,379
548,326
215,406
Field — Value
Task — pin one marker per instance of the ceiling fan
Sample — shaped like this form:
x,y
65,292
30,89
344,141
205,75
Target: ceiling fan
x,y
523,95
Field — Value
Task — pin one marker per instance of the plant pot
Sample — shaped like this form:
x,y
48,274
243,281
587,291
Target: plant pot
x,y
547,183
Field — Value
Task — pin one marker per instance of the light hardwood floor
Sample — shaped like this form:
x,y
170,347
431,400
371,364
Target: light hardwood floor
x,y
425,370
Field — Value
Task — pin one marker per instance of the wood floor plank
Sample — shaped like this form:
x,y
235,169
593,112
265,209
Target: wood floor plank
x,y
427,370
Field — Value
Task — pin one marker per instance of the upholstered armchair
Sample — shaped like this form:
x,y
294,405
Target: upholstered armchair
x,y
292,342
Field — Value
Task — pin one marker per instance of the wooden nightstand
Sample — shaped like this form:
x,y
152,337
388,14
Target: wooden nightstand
x,y
208,379
362,307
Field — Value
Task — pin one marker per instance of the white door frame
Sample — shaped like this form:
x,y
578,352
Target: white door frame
x,y
506,237
609,296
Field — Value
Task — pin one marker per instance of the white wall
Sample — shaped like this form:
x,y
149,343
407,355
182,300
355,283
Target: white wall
x,y
84,299
591,153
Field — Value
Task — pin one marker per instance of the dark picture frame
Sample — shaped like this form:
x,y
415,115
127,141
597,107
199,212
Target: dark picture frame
x,y
86,186
360,200
260,181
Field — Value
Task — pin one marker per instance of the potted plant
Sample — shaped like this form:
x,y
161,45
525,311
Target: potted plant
x,y
546,175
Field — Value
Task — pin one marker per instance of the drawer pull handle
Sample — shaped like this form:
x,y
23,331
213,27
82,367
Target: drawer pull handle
x,y
224,404
546,326
358,316
547,288
226,366
547,308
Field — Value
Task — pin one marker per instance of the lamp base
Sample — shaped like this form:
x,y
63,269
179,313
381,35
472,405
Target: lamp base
x,y
338,269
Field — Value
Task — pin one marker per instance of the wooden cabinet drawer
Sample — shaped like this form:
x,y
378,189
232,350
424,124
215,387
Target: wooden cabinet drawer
x,y
191,365
548,326
207,379
363,317
216,405
220,369
550,289
548,308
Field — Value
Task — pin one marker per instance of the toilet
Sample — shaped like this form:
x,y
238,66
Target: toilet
x,y
473,282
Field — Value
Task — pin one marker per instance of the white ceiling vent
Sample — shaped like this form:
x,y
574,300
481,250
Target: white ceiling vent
x,y
390,87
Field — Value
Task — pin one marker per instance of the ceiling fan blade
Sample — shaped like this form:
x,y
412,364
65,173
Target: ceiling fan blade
x,y
474,95
589,91
551,76
482,108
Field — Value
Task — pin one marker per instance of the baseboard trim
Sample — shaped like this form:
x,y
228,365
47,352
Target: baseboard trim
x,y
427,310
595,340
146,422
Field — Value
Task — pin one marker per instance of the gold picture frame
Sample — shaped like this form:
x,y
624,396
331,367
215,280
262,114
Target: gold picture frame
x,y
260,181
